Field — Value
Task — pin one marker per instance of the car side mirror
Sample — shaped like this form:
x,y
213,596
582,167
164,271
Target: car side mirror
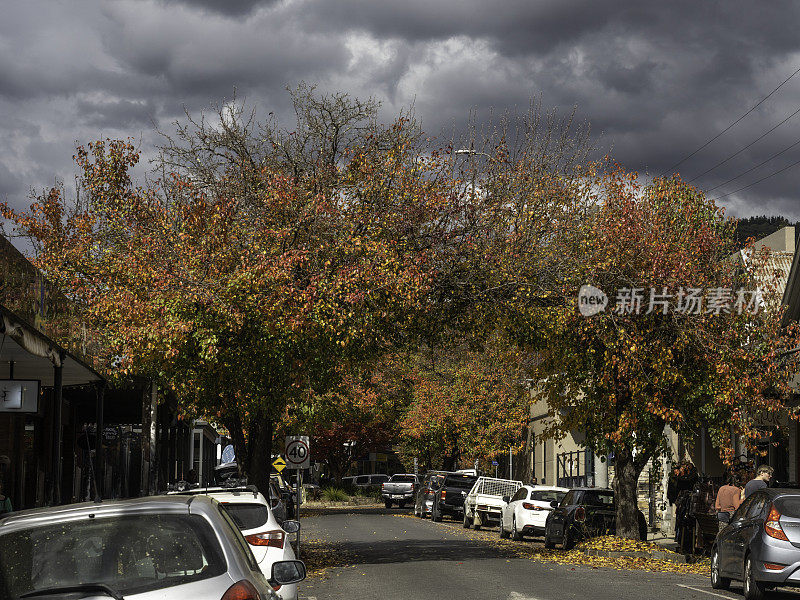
x,y
291,526
506,499
287,572
554,504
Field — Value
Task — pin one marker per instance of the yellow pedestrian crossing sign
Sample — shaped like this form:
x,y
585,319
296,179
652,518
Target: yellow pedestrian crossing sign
x,y
279,464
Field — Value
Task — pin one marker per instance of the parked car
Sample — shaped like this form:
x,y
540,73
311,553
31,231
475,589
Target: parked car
x,y
525,513
484,502
423,500
760,545
268,539
449,500
277,501
366,481
288,495
582,513
170,547
399,489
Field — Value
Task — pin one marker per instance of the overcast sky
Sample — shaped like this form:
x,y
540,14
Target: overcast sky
x,y
658,79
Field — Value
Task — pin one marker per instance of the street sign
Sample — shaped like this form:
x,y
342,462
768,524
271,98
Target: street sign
x,y
298,452
494,463
19,396
279,464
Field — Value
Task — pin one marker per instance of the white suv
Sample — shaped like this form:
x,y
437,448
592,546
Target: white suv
x,y
267,539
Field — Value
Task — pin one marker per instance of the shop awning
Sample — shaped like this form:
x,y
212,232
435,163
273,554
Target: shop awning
x,y
35,355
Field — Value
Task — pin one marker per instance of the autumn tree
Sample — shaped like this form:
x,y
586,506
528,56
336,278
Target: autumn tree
x,y
254,261
468,404
659,355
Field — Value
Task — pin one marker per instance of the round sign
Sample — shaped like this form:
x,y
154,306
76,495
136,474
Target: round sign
x,y
296,453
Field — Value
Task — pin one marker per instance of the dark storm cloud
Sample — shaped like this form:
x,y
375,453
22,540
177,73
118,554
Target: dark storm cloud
x,y
117,114
657,79
224,7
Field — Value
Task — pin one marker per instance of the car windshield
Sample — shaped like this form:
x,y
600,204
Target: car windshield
x,y
547,495
595,498
464,482
130,554
402,479
247,515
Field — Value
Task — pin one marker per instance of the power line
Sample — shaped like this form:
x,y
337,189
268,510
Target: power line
x,y
755,106
778,172
761,164
738,152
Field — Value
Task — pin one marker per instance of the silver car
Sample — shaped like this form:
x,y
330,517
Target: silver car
x,y
161,547
760,545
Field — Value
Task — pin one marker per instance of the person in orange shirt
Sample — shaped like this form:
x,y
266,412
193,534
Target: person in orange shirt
x,y
729,497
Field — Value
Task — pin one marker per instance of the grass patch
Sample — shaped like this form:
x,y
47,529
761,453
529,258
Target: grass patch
x,y
335,495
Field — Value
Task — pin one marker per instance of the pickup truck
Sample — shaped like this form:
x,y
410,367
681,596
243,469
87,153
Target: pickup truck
x,y
399,489
449,499
484,503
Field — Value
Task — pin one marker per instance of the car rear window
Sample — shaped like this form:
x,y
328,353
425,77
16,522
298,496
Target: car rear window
x,y
788,505
247,515
464,482
593,498
547,495
402,479
131,554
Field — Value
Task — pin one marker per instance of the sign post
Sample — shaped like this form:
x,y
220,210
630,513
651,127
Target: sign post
x,y
298,457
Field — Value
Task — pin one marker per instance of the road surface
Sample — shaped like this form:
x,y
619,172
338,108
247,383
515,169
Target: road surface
x,y
391,555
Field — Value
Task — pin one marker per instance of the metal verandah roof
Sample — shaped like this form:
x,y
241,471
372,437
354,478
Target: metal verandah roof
x,y
35,355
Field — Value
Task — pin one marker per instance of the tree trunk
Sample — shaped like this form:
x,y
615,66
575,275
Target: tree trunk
x,y
626,477
259,453
253,452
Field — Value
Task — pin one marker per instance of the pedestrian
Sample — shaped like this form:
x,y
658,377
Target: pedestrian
x,y
729,497
5,502
761,480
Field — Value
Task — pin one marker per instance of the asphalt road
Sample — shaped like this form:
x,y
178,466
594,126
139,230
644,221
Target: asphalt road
x,y
391,555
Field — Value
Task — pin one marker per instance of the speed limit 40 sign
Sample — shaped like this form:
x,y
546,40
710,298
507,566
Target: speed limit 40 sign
x,y
298,452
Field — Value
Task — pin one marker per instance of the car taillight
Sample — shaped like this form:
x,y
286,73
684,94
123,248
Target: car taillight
x,y
242,590
580,514
530,506
772,526
443,494
268,538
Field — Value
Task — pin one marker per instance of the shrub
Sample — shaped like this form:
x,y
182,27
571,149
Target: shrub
x,y
335,495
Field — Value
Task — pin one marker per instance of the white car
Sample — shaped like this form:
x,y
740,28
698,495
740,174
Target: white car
x,y
268,540
525,513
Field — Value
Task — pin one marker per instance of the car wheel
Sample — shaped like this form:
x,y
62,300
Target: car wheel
x,y
387,504
515,534
718,582
476,521
548,543
503,532
753,590
466,521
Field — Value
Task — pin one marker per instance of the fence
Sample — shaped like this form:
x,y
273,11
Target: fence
x,y
575,469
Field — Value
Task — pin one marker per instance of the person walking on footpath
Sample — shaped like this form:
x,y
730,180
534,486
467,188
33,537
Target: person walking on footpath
x,y
729,497
761,480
